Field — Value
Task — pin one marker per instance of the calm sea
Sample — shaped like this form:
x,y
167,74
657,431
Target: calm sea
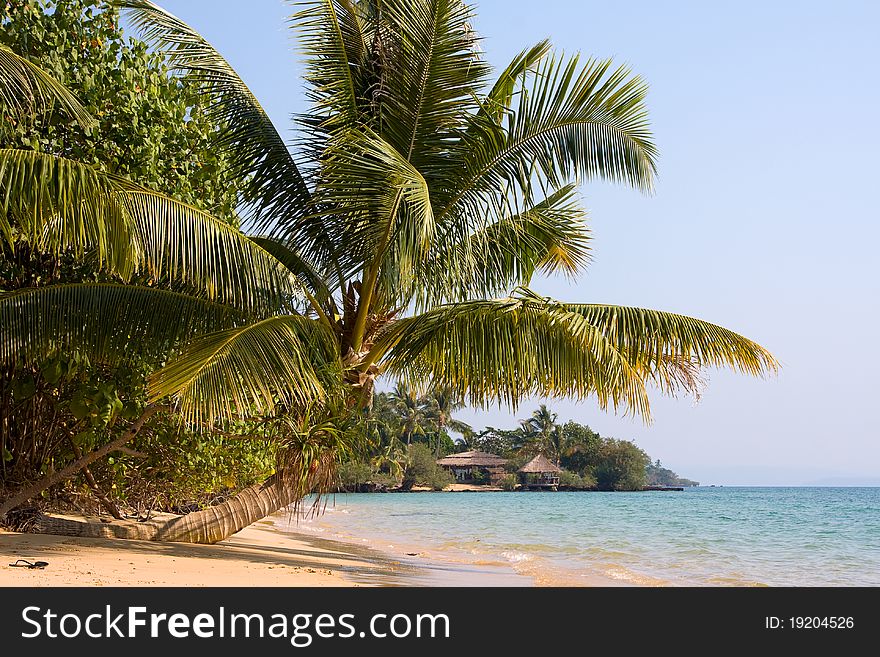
x,y
702,536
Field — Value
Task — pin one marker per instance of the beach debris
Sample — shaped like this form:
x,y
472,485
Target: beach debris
x,y
24,563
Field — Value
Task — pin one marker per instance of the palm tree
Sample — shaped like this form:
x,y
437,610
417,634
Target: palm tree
x,y
419,204
440,404
410,411
542,433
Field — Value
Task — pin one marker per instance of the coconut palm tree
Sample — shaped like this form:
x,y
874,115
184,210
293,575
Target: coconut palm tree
x,y
409,409
417,205
439,405
543,434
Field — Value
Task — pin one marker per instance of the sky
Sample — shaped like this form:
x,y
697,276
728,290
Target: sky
x,y
764,218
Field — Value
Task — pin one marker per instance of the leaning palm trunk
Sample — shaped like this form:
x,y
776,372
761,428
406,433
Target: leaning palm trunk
x,y
207,526
306,467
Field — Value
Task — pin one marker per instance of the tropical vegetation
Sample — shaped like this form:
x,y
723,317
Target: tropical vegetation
x,y
588,460
397,237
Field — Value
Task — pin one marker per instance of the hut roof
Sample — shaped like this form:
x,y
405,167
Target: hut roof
x,y
539,464
466,459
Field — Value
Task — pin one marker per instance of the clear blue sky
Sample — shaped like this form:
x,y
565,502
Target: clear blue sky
x,y
765,217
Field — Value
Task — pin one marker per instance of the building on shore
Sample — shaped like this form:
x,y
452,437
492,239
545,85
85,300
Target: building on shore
x,y
474,467
539,474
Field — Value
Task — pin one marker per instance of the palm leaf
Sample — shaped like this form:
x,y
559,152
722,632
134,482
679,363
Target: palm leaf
x,y
549,236
509,350
498,100
333,39
184,245
317,282
26,89
385,203
530,345
110,323
58,204
286,361
570,122
430,87
666,345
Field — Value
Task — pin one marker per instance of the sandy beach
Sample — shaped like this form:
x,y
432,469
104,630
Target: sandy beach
x,y
259,555
269,553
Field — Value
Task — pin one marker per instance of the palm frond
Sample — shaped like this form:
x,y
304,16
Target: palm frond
x,y
549,236
498,100
529,345
184,245
111,323
663,345
317,282
287,361
570,122
59,204
384,200
432,80
26,90
257,155
508,350
333,40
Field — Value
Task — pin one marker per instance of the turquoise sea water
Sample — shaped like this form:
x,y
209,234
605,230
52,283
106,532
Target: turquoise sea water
x,y
701,536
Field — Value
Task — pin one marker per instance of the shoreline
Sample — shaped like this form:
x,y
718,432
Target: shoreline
x,y
451,565
273,552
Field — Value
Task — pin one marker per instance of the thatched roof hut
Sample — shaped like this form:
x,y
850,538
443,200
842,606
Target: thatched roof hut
x,y
539,474
474,467
472,459
539,465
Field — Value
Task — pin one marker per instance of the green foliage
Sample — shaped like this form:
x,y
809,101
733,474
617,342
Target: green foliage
x,y
422,469
151,127
353,475
172,468
657,475
581,447
508,482
576,481
621,466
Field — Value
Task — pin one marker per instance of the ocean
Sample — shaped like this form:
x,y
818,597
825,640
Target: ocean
x,y
727,536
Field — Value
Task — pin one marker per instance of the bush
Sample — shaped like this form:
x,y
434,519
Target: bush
x,y
576,481
422,470
621,466
507,482
353,475
438,479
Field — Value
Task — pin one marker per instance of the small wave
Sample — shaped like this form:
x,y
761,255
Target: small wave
x,y
516,557
622,574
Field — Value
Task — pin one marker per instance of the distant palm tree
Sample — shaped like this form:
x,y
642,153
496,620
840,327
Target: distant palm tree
x,y
542,433
410,410
440,404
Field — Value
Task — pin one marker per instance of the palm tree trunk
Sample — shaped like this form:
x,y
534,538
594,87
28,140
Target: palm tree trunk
x,y
207,526
440,426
